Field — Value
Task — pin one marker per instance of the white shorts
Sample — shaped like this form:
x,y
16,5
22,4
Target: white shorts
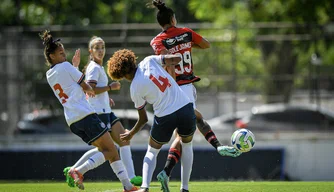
x,y
190,91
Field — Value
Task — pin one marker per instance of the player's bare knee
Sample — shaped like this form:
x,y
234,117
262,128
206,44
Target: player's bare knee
x,y
111,155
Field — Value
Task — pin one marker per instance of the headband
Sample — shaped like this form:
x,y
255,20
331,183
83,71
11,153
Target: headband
x,y
96,39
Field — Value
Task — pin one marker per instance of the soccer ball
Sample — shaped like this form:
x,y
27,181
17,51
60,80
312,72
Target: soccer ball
x,y
243,140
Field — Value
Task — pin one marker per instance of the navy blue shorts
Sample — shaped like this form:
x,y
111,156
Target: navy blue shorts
x,y
183,119
89,128
109,119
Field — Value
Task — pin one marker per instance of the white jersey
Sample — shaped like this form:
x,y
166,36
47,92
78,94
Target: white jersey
x,y
64,80
95,74
154,85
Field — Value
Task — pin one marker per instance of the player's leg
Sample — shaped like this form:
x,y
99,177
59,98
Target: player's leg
x,y
174,155
206,130
84,158
186,128
94,132
161,132
124,149
106,145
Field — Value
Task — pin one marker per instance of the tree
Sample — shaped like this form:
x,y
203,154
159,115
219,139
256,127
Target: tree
x,y
281,55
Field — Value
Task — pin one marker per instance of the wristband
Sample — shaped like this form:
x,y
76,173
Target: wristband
x,y
109,87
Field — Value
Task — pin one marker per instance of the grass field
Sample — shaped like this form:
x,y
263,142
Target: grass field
x,y
195,186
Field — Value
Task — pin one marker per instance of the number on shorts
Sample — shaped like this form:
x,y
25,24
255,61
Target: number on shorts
x,y
161,82
62,96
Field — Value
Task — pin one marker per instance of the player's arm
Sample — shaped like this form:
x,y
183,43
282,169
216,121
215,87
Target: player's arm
x,y
111,86
169,68
170,60
92,75
87,88
137,127
204,44
198,41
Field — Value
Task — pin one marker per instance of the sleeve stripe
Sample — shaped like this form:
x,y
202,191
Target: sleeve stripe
x,y
81,79
142,107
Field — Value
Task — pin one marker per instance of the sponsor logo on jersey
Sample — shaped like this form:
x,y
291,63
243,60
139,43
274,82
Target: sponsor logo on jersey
x,y
170,41
177,40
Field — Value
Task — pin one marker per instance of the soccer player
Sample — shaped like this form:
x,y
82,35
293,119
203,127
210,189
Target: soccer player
x,y
68,86
150,83
97,78
180,41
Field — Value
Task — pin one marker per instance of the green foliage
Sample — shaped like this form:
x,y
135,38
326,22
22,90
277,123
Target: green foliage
x,y
276,60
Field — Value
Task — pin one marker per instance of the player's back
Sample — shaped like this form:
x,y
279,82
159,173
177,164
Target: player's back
x,y
65,86
157,87
179,41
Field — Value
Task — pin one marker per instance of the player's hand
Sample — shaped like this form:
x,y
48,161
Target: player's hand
x,y
111,102
127,136
90,93
228,151
115,85
76,58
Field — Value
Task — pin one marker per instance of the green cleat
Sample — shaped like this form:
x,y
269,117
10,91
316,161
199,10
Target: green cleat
x,y
69,179
228,151
137,181
164,180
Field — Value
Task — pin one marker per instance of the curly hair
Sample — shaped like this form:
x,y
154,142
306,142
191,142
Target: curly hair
x,y
50,45
122,62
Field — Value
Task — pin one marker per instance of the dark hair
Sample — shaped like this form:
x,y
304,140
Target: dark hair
x,y
122,62
165,14
50,45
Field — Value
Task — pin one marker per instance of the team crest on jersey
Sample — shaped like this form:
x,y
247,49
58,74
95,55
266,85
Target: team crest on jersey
x,y
102,125
170,41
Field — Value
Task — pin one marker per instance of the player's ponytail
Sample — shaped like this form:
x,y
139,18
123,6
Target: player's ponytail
x,y
50,45
165,14
159,4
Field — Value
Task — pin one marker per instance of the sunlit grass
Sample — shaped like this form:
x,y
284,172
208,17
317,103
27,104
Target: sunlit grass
x,y
195,186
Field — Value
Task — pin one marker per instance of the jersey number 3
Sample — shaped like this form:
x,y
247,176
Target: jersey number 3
x,y
61,94
161,82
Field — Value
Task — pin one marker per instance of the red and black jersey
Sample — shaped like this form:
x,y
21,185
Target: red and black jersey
x,y
179,41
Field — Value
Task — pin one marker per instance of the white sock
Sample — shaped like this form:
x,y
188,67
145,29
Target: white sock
x,y
150,161
85,157
122,175
94,161
126,157
186,164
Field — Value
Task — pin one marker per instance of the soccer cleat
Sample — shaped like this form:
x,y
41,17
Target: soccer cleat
x,y
132,189
184,190
164,180
69,179
78,178
224,150
137,181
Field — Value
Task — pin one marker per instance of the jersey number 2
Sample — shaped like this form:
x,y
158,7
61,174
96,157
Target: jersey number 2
x,y
162,83
61,93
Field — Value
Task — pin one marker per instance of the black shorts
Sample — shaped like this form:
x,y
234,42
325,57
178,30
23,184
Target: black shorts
x,y
89,128
183,119
109,119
